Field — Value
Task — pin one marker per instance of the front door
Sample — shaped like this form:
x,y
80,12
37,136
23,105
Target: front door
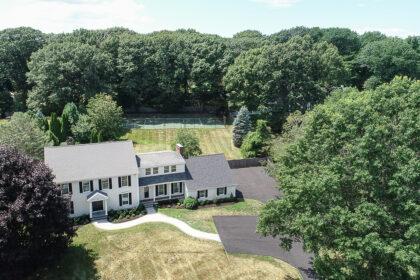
x,y
98,206
146,192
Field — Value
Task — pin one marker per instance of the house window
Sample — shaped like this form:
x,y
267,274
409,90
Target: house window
x,y
125,198
161,190
71,207
221,191
105,184
202,194
65,189
173,168
166,169
175,187
148,171
86,186
124,181
155,170
146,192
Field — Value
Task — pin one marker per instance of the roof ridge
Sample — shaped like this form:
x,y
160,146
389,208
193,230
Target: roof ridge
x,y
164,151
207,155
86,144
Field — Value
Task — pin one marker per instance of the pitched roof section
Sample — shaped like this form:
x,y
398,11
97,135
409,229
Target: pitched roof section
x,y
91,161
97,193
159,159
154,180
208,171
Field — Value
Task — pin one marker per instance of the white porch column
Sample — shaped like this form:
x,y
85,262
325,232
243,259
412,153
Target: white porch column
x,y
106,206
90,207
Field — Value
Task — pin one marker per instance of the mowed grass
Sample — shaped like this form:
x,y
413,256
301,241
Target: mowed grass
x,y
212,140
158,251
202,219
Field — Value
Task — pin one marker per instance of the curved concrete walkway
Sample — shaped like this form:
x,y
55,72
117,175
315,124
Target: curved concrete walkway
x,y
157,218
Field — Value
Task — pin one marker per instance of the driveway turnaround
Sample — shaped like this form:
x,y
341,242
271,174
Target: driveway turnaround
x,y
157,218
238,236
254,182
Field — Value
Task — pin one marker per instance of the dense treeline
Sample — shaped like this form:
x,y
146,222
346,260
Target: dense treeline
x,y
275,74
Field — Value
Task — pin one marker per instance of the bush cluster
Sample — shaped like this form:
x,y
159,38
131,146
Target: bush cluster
x,y
190,203
170,201
81,220
115,215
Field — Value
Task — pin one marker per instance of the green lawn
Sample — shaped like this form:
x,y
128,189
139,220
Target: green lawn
x,y
202,219
157,251
212,140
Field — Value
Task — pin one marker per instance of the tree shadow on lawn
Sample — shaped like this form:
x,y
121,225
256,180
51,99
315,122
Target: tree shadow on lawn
x,y
77,263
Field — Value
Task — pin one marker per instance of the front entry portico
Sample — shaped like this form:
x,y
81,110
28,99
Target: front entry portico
x,y
98,204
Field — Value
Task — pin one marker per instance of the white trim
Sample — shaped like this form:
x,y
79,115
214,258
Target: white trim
x,y
103,197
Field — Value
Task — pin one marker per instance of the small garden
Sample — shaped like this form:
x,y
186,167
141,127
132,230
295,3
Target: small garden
x,y
192,203
123,215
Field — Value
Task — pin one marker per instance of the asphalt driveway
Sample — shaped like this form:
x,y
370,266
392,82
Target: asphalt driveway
x,y
238,236
254,182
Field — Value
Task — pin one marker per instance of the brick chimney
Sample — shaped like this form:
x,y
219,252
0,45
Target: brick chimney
x,y
180,149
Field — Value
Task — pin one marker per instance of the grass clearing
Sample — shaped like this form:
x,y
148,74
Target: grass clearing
x,y
202,219
158,251
212,140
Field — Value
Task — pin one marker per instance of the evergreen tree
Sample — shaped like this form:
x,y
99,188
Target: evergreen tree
x,y
53,138
93,137
256,143
72,112
55,126
65,127
100,137
241,126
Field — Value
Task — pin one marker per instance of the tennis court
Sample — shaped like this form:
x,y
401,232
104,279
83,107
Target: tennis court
x,y
170,122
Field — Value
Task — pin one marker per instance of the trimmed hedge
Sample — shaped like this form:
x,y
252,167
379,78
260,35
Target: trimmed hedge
x,y
115,215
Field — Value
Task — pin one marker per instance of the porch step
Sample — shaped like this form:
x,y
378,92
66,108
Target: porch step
x,y
151,210
149,204
99,217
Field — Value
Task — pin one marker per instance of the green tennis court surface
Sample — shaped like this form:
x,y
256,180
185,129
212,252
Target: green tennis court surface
x,y
161,123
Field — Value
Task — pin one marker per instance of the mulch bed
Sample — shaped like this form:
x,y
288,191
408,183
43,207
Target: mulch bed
x,y
125,219
199,206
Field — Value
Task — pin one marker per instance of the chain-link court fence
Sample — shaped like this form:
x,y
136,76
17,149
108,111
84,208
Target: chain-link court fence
x,y
170,122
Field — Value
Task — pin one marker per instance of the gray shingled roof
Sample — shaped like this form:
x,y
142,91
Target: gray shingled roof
x,y
154,180
95,192
159,159
208,171
91,161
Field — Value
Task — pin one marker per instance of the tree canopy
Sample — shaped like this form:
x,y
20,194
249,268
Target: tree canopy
x,y
350,184
189,140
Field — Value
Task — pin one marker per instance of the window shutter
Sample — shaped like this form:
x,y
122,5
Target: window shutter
x,y
80,187
91,186
119,182
157,190
110,183
207,193
129,198
172,188
71,188
120,200
100,184
180,186
71,207
225,190
165,189
129,181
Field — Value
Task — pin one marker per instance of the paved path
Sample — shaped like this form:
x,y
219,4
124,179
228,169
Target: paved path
x,y
157,218
254,182
238,236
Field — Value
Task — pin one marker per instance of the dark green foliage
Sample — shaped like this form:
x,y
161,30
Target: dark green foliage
x,y
256,143
190,203
23,132
72,112
35,229
350,184
53,138
6,101
189,141
241,126
65,128
93,137
82,129
115,215
81,220
346,41
99,137
55,126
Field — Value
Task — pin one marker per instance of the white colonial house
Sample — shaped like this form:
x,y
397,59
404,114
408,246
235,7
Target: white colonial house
x,y
103,176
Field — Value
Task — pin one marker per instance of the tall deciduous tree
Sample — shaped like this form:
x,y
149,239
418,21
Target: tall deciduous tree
x,y
351,185
24,133
105,116
241,126
66,72
35,228
189,140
